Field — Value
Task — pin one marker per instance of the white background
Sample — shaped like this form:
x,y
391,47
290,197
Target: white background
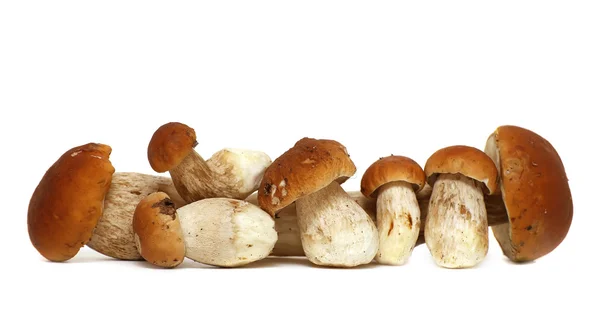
x,y
380,77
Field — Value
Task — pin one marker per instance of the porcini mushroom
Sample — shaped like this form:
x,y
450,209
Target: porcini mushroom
x,y
226,232
535,191
67,203
456,228
113,235
157,231
393,180
334,229
229,173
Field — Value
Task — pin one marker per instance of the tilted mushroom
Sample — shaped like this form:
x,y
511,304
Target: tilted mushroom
x,y
334,229
113,235
67,203
456,228
535,190
393,180
157,230
229,173
226,232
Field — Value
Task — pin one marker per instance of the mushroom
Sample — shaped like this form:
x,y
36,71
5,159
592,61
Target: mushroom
x,y
393,181
334,229
67,202
226,232
535,190
229,173
157,230
456,228
113,235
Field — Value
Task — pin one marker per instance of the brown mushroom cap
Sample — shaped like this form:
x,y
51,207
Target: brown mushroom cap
x,y
466,160
390,169
535,191
68,201
307,167
169,145
157,230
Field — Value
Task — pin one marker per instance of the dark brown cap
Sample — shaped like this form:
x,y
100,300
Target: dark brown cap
x,y
157,230
302,170
465,160
390,169
169,145
535,191
67,203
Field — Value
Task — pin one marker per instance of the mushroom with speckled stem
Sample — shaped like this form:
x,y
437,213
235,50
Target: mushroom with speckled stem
x,y
394,181
456,228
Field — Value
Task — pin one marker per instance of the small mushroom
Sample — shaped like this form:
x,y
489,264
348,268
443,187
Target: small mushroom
x,y
535,190
394,181
157,231
226,232
229,173
113,235
456,227
334,229
67,203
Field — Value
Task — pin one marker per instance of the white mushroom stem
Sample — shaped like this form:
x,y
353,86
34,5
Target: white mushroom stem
x,y
226,232
334,229
286,221
229,173
398,222
456,228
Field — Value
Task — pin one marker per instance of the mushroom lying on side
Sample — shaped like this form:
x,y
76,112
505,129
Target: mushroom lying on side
x,y
334,229
394,181
113,235
229,173
456,228
535,190
221,232
157,231
67,203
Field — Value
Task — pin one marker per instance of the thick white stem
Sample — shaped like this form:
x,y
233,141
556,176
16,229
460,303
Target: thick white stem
x,y
456,228
335,230
398,222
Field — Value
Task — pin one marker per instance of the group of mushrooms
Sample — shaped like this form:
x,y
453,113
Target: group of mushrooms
x,y
239,206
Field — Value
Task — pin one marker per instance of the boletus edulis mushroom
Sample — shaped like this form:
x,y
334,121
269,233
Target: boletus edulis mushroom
x,y
334,229
229,173
67,203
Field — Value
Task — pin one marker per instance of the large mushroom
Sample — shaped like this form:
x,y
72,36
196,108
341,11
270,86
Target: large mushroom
x,y
334,229
535,191
67,203
229,173
394,181
456,227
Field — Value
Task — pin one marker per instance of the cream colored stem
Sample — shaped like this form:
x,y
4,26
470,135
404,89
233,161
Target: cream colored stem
x,y
289,243
456,228
335,230
398,222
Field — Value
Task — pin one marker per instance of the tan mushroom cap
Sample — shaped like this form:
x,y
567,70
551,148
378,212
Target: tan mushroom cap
x,y
169,145
307,167
67,203
535,191
391,169
157,230
468,161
